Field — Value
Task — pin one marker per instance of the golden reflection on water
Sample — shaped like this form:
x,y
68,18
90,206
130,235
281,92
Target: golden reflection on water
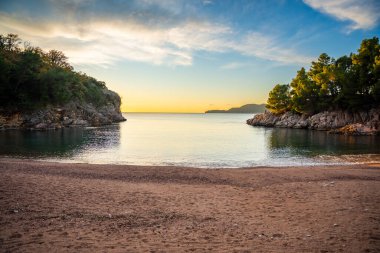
x,y
202,140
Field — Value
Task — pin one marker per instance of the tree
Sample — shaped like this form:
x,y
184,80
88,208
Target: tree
x,y
304,93
25,80
279,100
376,88
10,42
366,66
350,82
31,78
345,80
58,59
321,73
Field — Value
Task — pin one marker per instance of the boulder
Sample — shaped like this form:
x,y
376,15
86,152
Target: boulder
x,y
355,129
80,122
41,126
263,119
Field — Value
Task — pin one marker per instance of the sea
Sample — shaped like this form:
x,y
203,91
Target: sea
x,y
215,140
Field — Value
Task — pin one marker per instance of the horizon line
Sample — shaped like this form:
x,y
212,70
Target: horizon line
x,y
193,112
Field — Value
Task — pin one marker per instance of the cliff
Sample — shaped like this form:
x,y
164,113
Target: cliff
x,y
248,108
72,114
41,90
339,122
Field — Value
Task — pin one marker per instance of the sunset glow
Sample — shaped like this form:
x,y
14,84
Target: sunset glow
x,y
191,56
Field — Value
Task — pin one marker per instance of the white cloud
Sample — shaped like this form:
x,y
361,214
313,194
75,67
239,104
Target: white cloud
x,y
363,14
106,41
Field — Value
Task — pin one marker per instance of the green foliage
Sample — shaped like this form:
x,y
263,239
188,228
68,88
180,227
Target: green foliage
x,y
304,93
31,78
10,42
58,59
350,82
366,73
279,100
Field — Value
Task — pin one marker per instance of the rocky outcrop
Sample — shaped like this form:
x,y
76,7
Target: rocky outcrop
x,y
70,115
339,122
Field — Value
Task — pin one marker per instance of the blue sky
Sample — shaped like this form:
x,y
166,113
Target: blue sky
x,y
192,55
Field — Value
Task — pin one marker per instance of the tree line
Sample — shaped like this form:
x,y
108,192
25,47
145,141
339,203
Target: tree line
x,y
31,78
349,83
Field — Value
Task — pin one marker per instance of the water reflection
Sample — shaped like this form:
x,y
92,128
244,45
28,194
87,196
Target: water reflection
x,y
301,142
63,143
200,140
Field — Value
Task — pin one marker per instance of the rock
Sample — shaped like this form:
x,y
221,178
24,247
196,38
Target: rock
x,y
356,129
80,122
41,126
70,115
263,119
3,121
67,121
337,122
14,121
35,120
55,126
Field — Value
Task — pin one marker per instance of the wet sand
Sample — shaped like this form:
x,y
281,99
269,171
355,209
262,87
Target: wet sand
x,y
53,207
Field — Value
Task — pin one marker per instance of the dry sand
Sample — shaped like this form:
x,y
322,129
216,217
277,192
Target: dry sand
x,y
53,207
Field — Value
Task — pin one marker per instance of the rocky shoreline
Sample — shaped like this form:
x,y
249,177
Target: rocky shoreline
x,y
73,114
336,122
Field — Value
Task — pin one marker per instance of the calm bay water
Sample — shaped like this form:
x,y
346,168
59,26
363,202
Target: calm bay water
x,y
201,140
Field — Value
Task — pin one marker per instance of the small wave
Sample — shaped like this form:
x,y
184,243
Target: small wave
x,y
350,159
321,160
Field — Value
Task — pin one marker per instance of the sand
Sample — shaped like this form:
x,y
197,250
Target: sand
x,y
55,207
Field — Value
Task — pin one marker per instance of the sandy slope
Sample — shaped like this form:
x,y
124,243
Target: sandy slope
x,y
47,207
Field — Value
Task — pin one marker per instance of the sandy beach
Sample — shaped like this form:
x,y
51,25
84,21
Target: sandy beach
x,y
55,207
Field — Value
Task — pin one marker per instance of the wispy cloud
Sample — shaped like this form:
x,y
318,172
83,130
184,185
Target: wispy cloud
x,y
363,14
157,32
268,48
233,65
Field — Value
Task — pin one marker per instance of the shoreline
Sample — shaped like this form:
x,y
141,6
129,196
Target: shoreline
x,y
360,159
10,159
49,206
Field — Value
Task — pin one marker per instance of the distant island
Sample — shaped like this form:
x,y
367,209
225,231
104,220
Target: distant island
x,y
41,90
341,96
248,108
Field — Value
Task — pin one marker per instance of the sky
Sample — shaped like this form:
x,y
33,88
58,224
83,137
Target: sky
x,y
192,55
